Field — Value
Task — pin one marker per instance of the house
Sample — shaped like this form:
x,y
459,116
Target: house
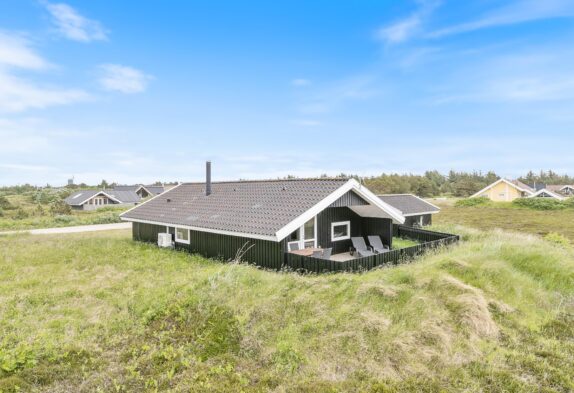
x,y
416,211
504,190
564,190
546,193
95,199
264,219
141,190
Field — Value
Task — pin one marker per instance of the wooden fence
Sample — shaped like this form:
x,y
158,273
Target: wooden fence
x,y
430,240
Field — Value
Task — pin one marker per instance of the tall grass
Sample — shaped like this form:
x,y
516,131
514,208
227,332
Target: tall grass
x,y
97,311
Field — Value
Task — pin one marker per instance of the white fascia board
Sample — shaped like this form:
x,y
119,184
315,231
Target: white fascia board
x,y
420,214
551,193
149,200
351,185
200,229
99,193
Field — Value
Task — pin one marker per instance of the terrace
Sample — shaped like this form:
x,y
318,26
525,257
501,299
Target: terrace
x,y
422,242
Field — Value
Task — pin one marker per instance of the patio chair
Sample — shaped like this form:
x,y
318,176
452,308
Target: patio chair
x,y
377,244
293,246
327,253
317,254
360,247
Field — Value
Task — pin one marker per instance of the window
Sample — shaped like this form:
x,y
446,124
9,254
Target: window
x,y
182,235
305,236
340,231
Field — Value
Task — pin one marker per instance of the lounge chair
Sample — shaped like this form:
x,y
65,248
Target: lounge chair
x,y
377,244
360,247
293,246
327,253
317,254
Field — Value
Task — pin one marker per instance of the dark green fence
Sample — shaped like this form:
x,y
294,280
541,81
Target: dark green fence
x,y
431,240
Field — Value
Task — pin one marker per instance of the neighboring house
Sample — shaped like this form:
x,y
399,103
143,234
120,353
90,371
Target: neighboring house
x,y
416,211
266,219
141,190
546,193
504,190
95,199
564,190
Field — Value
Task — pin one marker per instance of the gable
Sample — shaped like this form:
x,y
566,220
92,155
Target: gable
x,y
349,199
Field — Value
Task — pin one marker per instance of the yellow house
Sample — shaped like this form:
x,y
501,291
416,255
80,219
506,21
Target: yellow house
x,y
504,190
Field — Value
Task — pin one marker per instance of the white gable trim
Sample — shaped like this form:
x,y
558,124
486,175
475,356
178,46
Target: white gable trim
x,y
420,214
95,195
552,194
501,181
567,187
351,185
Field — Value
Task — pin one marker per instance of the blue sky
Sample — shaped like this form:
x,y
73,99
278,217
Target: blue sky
x,y
110,90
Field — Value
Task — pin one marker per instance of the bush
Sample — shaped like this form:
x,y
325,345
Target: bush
x,y
1,212
557,238
470,202
64,219
5,203
21,214
539,203
109,218
60,208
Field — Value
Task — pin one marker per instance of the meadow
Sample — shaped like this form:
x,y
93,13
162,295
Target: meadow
x,y
98,312
46,209
508,216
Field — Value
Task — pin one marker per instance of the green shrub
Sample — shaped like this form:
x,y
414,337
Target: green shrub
x,y
1,212
557,238
60,207
109,218
5,203
469,202
21,214
64,219
539,203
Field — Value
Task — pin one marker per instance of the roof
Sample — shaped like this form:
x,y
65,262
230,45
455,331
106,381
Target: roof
x,y
559,187
513,183
153,189
547,192
124,196
80,197
267,209
409,204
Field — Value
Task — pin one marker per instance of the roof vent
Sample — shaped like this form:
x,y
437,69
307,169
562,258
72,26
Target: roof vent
x,y
168,200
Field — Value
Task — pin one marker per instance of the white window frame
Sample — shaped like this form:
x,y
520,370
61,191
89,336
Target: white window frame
x,y
301,240
178,240
340,223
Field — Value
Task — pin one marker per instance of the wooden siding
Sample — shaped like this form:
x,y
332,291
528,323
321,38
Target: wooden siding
x,y
349,199
337,214
264,253
379,226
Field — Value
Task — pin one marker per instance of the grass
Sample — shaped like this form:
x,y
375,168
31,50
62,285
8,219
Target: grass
x,y
98,312
509,217
26,213
399,242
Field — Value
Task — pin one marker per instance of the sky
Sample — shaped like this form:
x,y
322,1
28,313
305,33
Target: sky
x,y
136,92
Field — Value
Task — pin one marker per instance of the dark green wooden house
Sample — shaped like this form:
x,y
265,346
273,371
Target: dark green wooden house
x,y
268,217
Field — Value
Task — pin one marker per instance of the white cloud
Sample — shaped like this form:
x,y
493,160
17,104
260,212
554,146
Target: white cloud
x,y
300,82
72,25
517,12
124,79
15,51
307,123
406,28
18,94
